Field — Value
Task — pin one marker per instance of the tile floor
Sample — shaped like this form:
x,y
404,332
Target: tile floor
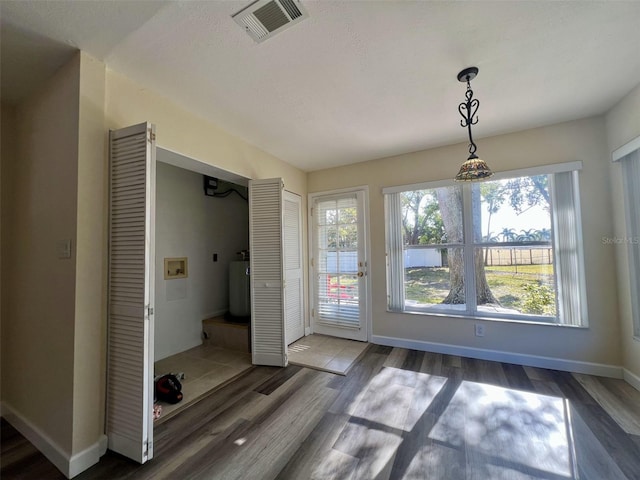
x,y
205,367
330,354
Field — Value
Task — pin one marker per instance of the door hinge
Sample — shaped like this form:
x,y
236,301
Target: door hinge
x,y
313,312
152,135
312,211
147,446
149,311
312,263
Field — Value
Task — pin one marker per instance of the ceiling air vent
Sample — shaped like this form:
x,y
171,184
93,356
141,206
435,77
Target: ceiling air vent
x,y
264,18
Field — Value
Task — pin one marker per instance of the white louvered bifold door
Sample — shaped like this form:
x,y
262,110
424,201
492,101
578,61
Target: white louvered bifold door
x,y
129,415
293,279
267,299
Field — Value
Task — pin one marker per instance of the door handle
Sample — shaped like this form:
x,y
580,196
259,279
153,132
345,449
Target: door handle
x,y
360,274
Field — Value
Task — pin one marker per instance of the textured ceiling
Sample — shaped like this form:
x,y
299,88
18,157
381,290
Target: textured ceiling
x,y
355,81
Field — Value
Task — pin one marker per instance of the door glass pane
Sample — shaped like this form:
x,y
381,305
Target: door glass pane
x,y
337,280
349,237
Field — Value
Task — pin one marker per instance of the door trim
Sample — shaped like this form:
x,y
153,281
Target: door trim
x,y
364,189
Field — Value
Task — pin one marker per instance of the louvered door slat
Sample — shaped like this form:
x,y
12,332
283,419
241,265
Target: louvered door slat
x,y
267,306
130,351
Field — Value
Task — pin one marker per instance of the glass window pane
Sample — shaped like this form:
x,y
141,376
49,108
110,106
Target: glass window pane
x,y
347,262
432,217
348,236
512,210
327,237
338,290
327,213
348,215
438,284
516,280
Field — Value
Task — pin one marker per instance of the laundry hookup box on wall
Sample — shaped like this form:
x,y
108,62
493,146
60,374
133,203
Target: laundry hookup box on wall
x,y
175,268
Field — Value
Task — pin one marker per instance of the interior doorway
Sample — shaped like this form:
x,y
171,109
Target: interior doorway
x,y
129,411
202,302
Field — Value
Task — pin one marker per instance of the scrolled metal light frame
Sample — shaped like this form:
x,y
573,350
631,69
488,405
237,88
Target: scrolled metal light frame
x,y
474,168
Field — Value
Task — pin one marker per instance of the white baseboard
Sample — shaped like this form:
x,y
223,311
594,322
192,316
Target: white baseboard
x,y
599,369
38,438
69,465
631,378
88,457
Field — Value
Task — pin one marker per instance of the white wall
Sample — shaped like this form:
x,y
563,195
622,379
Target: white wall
x,y
38,309
53,307
623,125
190,224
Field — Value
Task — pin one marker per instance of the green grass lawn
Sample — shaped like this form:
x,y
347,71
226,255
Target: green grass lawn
x,y
431,284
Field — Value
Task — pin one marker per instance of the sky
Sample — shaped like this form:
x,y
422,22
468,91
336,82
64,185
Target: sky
x,y
535,218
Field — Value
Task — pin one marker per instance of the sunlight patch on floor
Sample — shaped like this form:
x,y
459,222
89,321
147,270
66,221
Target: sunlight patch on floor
x,y
298,348
505,428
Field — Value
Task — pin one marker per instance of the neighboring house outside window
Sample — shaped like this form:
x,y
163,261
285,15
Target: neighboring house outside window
x,y
509,248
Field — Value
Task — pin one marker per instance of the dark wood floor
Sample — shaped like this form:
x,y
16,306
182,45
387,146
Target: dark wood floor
x,y
398,414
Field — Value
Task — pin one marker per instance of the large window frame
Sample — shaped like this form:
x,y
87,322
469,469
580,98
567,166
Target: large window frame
x,y
571,306
629,158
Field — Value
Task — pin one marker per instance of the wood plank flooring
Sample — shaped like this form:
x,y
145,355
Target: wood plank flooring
x,y
397,414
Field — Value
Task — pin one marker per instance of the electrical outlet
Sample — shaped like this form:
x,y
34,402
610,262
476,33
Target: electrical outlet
x,y
215,257
479,330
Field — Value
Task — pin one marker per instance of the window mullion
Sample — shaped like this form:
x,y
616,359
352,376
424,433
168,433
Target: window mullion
x,y
469,253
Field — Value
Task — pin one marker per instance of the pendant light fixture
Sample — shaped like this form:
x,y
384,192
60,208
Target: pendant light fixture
x,y
474,168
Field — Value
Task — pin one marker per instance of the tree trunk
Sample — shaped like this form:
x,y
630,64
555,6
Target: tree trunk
x,y
456,277
484,295
450,203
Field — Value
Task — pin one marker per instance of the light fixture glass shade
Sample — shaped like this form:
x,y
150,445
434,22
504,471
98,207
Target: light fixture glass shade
x,y
473,169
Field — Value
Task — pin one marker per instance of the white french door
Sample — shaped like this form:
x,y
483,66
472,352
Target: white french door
x,y
129,408
339,265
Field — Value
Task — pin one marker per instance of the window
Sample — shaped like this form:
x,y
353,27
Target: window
x,y
631,184
506,248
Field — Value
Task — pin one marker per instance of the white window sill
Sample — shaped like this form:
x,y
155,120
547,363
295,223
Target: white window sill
x,y
459,311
